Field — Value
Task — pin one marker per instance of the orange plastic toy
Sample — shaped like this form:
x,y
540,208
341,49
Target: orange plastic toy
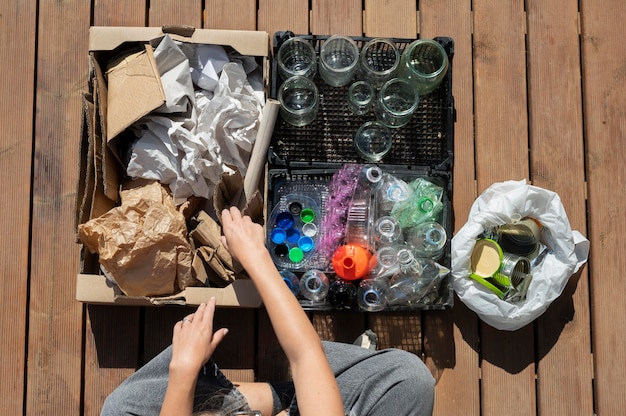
x,y
351,261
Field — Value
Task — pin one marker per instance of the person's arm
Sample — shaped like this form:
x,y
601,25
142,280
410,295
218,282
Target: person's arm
x,y
314,381
193,343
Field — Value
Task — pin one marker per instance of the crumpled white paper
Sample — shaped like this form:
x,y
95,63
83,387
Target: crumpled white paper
x,y
188,143
498,205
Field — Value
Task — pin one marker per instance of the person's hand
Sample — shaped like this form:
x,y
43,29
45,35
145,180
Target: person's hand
x,y
243,238
194,342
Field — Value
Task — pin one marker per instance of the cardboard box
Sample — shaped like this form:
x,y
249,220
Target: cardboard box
x,y
138,91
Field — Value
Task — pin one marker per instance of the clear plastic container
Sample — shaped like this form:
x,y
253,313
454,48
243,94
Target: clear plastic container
x,y
415,280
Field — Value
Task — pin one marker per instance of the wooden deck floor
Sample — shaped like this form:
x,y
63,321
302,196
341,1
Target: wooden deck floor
x,y
540,93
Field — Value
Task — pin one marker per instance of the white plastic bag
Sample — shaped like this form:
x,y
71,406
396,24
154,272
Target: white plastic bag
x,y
498,205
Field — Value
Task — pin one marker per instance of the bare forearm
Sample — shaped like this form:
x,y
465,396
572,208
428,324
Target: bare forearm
x,y
179,395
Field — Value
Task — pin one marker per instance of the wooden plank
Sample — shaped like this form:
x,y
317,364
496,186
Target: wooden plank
x,y
390,18
502,153
112,335
329,17
564,369
182,12
402,330
119,13
16,141
111,353
339,326
604,83
451,341
279,15
272,364
55,318
231,14
232,353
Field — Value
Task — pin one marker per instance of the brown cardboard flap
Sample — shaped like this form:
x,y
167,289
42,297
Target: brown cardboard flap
x,y
91,288
135,90
252,43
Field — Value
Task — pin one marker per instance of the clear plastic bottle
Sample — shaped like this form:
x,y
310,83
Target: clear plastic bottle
x,y
385,262
392,190
428,239
291,280
387,230
415,279
314,285
342,294
371,295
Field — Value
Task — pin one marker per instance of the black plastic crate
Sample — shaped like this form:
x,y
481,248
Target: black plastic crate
x,y
426,141
303,159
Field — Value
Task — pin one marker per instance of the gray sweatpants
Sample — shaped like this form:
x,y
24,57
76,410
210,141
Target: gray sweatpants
x,y
376,383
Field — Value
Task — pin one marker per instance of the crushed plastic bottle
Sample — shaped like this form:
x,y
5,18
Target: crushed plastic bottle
x,y
416,279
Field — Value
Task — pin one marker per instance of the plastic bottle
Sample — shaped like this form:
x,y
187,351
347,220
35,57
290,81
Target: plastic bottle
x,y
314,285
384,262
392,190
387,230
415,279
342,294
291,280
428,239
371,295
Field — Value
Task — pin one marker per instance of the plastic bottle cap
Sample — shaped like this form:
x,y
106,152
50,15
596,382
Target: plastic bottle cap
x,y
284,220
278,235
281,250
293,235
306,244
351,261
307,215
296,254
295,208
309,229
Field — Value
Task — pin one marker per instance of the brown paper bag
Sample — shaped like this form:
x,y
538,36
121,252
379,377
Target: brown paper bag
x,y
142,244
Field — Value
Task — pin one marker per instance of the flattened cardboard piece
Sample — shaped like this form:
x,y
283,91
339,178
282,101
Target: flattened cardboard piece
x,y
134,90
101,203
85,185
111,166
95,289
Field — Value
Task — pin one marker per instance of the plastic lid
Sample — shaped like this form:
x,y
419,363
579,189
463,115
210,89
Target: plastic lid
x,y
309,229
306,244
278,235
296,254
284,220
293,235
486,258
307,215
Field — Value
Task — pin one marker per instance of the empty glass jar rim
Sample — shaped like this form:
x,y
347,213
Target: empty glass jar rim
x,y
390,83
375,41
444,63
